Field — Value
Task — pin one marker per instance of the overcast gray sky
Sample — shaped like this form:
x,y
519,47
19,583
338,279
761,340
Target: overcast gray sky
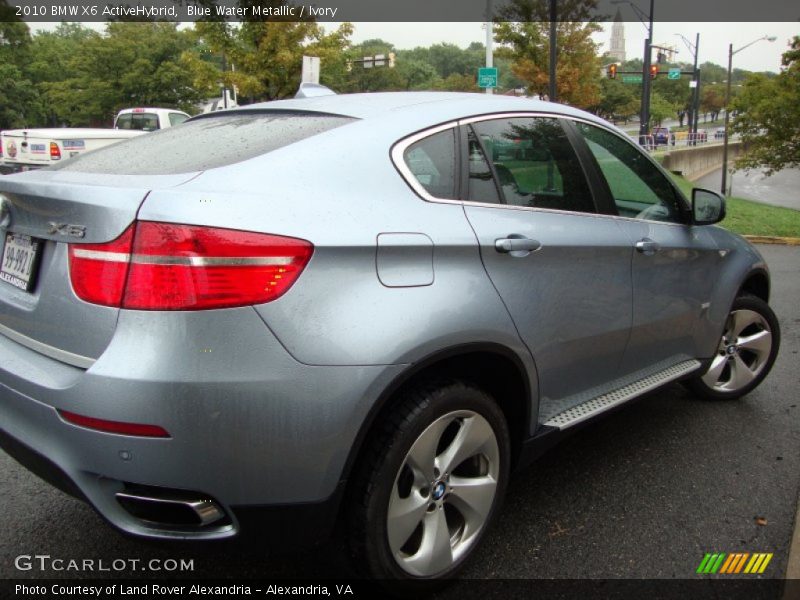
x,y
714,38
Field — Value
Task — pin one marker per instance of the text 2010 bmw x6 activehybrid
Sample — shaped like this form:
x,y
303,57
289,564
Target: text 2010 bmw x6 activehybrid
x,y
367,308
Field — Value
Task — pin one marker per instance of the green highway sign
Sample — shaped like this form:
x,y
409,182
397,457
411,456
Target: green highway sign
x,y
487,77
631,79
674,73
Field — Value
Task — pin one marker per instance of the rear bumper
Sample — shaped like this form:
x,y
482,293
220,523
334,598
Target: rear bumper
x,y
7,168
290,526
249,425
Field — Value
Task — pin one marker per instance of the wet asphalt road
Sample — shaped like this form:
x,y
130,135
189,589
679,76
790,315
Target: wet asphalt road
x,y
642,493
779,189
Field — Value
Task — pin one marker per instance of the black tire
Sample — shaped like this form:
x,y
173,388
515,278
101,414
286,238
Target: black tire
x,y
388,476
733,354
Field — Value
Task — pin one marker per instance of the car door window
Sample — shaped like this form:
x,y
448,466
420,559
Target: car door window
x,y
432,161
481,187
535,163
639,189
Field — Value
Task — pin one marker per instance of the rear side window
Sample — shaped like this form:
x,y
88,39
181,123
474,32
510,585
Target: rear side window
x,y
205,143
432,161
138,121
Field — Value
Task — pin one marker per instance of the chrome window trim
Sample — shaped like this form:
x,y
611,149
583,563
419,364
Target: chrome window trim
x,y
399,148
75,360
398,151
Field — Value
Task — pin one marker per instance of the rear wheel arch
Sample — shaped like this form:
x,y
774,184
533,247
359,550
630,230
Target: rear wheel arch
x,y
494,368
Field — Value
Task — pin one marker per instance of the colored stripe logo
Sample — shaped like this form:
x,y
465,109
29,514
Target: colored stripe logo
x,y
734,564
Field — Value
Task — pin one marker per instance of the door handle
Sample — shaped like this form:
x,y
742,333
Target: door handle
x,y
647,246
517,246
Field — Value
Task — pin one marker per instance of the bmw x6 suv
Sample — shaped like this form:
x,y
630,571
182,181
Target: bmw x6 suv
x,y
362,308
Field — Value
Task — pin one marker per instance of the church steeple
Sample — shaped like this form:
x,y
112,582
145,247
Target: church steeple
x,y
617,49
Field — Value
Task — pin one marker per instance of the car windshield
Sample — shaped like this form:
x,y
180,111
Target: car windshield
x,y
205,143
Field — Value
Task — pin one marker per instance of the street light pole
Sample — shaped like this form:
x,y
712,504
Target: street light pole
x,y
696,97
727,120
695,107
553,93
644,116
731,52
644,119
489,40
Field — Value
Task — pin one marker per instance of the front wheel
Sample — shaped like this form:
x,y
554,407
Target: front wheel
x,y
745,353
429,483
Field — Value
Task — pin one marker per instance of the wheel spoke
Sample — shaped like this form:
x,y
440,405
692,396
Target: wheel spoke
x,y
711,378
760,343
741,375
435,553
741,320
405,514
473,497
421,457
471,438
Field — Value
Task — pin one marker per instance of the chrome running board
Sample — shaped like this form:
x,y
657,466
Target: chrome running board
x,y
590,408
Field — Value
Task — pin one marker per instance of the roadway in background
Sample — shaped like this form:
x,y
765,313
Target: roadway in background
x,y
781,189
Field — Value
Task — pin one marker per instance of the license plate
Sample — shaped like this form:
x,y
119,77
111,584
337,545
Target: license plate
x,y
19,261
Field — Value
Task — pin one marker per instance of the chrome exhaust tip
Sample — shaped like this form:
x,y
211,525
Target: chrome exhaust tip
x,y
170,508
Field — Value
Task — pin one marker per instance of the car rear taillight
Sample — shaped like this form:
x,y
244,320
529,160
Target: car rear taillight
x,y
55,151
166,266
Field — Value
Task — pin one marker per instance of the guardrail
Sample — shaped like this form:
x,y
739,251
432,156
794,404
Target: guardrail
x,y
681,139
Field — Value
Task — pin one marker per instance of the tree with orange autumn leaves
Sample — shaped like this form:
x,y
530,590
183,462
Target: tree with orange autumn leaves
x,y
525,39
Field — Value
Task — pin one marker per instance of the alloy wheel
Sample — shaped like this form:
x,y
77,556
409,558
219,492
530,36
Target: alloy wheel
x,y
443,493
743,352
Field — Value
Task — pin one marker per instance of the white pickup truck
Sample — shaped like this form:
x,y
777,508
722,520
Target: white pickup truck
x,y
25,149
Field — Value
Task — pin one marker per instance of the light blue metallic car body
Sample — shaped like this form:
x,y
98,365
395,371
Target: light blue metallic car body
x,y
268,405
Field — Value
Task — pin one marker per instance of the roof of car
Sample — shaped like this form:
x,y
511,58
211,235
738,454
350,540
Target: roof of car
x,y
440,106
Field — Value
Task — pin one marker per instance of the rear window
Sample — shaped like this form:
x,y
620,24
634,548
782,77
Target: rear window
x,y
138,121
205,143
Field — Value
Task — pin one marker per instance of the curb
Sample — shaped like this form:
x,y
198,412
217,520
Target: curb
x,y
769,239
793,566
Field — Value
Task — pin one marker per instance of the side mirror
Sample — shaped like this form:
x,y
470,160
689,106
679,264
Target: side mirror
x,y
707,207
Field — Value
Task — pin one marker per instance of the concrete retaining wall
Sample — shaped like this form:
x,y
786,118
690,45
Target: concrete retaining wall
x,y
694,162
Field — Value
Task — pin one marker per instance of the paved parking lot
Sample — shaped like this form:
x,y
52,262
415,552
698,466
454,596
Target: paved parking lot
x,y
643,493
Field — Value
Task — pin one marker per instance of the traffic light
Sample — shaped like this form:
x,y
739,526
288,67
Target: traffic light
x,y
612,71
653,71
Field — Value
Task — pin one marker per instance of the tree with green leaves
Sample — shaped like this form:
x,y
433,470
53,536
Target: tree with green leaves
x,y
660,108
526,37
712,100
617,100
768,116
19,99
132,64
269,55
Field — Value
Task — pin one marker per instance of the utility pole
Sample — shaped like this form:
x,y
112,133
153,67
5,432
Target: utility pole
x,y
731,52
696,96
553,92
644,119
489,40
